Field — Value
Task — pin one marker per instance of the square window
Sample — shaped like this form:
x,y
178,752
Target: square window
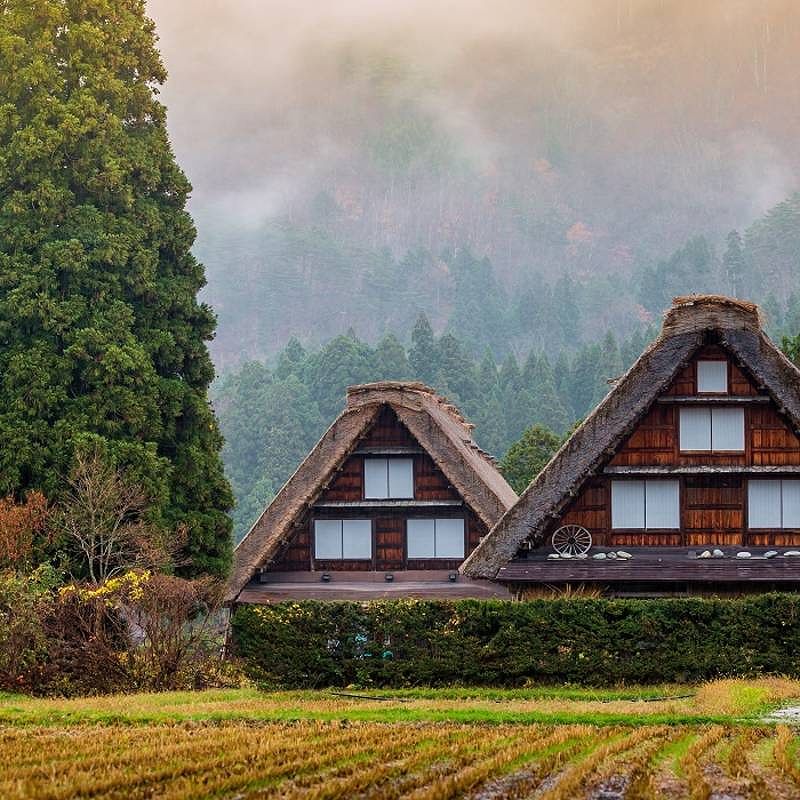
x,y
712,377
386,478
645,505
435,538
336,539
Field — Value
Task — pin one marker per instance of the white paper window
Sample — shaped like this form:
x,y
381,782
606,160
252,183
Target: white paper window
x,y
662,505
627,504
695,428
712,429
645,505
727,429
773,504
712,377
449,538
376,478
388,478
764,504
421,538
336,539
435,538
328,538
790,504
401,477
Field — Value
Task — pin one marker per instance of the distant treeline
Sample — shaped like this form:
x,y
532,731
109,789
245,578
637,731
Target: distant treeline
x,y
311,281
272,416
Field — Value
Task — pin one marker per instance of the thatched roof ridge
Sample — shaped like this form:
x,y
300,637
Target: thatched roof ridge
x,y
436,424
737,325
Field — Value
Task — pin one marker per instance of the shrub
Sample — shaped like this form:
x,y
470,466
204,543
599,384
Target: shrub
x,y
496,643
25,602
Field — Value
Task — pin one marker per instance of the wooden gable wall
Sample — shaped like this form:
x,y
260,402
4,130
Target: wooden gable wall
x,y
713,505
430,484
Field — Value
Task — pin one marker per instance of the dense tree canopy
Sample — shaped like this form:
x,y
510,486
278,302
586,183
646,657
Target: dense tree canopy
x,y
101,334
525,458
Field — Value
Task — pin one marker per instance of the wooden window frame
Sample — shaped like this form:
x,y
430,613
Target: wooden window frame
x,y
410,457
612,530
728,377
745,451
771,528
313,541
463,517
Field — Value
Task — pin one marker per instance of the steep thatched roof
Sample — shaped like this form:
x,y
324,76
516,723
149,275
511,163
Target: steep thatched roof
x,y
736,325
437,425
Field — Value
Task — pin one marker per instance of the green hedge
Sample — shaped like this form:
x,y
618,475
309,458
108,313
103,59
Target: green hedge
x,y
496,643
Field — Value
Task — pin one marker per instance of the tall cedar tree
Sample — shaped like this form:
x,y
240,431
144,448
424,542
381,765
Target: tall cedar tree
x,y
102,338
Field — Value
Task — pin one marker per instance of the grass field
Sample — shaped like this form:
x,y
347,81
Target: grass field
x,y
556,744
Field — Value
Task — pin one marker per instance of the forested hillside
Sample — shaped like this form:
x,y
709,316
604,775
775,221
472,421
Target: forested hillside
x,y
508,360
315,287
525,173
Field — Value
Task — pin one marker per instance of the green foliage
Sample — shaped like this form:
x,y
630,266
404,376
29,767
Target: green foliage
x,y
526,458
101,336
497,643
25,601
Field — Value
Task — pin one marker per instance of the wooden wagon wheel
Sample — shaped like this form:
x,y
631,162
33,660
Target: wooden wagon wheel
x,y
572,540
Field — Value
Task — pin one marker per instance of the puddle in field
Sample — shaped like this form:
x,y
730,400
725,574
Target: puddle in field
x,y
789,714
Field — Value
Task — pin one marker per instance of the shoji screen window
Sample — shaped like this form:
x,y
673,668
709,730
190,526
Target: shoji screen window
x,y
435,538
773,504
342,539
643,505
712,377
712,429
388,478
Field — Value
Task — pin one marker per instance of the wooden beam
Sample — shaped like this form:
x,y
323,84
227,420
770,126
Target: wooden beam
x,y
715,399
388,503
706,469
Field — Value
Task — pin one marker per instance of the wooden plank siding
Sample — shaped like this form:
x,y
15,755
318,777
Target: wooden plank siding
x,y
388,524
389,543
713,507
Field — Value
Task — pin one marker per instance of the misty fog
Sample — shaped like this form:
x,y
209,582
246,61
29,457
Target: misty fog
x,y
590,141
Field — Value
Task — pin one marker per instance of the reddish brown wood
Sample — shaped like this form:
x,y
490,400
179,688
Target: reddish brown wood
x,y
713,508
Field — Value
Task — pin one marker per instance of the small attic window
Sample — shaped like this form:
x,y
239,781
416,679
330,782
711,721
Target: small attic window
x,y
712,377
388,478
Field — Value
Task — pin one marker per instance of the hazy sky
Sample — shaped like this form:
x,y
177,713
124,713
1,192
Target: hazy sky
x,y
257,103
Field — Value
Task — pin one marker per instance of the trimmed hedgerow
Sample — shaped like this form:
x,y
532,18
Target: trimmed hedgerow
x,y
495,643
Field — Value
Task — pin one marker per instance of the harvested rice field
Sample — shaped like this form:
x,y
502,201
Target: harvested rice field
x,y
713,741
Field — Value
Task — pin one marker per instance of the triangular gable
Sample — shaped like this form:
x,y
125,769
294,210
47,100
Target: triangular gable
x,y
686,325
440,431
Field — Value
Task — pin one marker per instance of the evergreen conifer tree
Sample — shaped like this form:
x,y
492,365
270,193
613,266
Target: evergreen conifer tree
x,y
546,406
733,263
423,357
525,458
102,339
390,359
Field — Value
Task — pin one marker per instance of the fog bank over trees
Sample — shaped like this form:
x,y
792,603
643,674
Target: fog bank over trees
x,y
346,156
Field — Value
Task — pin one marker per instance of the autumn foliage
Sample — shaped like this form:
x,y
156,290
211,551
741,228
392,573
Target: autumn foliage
x,y
23,528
